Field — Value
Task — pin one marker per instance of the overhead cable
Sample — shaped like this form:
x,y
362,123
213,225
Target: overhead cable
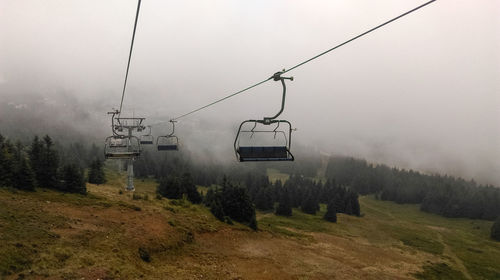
x,y
130,55
306,61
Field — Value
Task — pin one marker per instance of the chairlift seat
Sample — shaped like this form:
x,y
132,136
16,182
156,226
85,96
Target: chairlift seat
x,y
118,145
168,147
121,155
264,153
146,142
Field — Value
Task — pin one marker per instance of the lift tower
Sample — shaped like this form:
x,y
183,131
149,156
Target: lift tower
x,y
123,144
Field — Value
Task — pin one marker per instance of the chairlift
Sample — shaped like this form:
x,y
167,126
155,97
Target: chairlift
x,y
122,147
147,139
261,144
168,142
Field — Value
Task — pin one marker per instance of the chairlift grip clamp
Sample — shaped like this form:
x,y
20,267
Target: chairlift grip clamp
x,y
277,76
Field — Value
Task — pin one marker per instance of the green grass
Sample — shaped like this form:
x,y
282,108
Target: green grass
x,y
23,235
439,271
29,237
298,220
387,224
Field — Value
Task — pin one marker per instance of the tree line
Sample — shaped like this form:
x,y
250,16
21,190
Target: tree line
x,y
238,198
44,164
443,195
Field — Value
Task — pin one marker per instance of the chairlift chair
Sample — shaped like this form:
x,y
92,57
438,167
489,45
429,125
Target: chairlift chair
x,y
278,149
121,147
147,139
168,142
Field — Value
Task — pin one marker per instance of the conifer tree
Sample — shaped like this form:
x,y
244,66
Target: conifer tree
x,y
6,163
170,187
36,158
217,209
96,173
331,213
284,206
51,164
209,197
24,176
44,162
3,174
73,180
190,189
495,230
356,209
264,199
309,205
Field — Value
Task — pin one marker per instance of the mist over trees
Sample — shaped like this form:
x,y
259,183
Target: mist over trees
x,y
443,195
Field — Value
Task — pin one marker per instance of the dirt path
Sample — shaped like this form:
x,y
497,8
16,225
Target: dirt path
x,y
448,252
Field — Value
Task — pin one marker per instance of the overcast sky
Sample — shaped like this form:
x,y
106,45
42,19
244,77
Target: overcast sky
x,y
423,92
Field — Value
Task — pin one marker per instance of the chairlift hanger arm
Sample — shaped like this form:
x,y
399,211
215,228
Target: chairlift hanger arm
x,y
173,127
277,77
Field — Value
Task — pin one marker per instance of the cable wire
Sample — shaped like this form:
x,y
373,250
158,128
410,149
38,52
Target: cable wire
x,y
222,99
360,35
130,55
309,60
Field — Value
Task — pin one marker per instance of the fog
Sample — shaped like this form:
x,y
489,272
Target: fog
x,y
421,93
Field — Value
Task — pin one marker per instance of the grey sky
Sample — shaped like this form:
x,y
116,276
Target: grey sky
x,y
423,92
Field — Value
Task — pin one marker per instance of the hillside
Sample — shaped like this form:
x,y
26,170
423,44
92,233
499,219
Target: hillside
x,y
109,234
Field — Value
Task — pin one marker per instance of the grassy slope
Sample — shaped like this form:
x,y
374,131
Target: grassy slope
x,y
46,234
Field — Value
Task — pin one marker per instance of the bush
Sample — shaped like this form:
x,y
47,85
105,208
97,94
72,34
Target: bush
x,y
144,254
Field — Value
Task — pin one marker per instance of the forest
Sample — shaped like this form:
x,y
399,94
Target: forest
x,y
443,195
235,191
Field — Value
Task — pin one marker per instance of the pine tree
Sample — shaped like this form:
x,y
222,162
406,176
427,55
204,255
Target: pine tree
x,y
3,174
234,202
331,213
73,180
495,230
309,205
51,164
209,197
36,158
217,209
356,210
170,187
44,162
264,199
24,176
190,189
284,206
6,163
96,173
